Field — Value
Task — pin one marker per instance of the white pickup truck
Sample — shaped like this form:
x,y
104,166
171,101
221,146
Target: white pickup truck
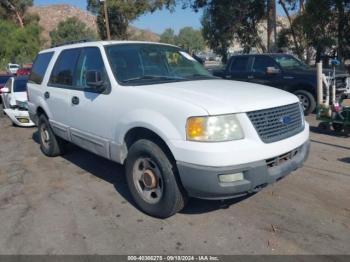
x,y
180,131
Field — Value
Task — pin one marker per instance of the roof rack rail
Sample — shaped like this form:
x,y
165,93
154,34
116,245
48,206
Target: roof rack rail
x,y
71,42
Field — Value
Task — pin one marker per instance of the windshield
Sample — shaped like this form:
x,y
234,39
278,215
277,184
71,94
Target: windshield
x,y
14,66
20,86
289,62
141,64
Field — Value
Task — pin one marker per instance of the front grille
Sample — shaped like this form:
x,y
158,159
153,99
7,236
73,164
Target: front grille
x,y
277,123
276,161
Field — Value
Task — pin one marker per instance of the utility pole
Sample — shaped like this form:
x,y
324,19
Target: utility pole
x,y
106,19
271,25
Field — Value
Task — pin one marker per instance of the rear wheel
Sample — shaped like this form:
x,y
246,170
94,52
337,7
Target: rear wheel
x,y
307,100
152,180
50,144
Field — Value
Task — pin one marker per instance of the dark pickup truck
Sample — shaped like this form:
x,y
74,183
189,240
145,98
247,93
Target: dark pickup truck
x,y
282,71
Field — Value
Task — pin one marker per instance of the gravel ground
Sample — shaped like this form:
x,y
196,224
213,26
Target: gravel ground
x,y
79,204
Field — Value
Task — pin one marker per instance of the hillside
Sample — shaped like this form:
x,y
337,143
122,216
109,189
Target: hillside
x,y
51,15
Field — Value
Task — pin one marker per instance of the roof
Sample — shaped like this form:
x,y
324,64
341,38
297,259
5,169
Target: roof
x,y
98,43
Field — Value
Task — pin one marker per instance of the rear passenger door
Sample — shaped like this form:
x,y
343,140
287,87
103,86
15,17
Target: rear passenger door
x,y
90,112
239,68
58,92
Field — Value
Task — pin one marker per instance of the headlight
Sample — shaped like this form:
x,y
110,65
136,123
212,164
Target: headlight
x,y
213,128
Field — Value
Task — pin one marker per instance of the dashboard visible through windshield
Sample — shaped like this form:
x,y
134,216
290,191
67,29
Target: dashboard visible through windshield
x,y
143,64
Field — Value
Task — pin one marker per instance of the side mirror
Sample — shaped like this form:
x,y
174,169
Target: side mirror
x,y
94,80
4,90
272,70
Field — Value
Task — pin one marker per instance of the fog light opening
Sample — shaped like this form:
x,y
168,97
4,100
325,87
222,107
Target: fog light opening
x,y
229,178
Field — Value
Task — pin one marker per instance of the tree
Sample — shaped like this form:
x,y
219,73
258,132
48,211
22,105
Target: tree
x,y
225,21
18,45
15,9
122,12
190,39
71,29
168,36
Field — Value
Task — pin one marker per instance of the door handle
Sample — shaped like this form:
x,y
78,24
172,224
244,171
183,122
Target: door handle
x,y
250,77
47,95
75,100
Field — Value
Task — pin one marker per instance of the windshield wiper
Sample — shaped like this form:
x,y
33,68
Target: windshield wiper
x,y
151,77
196,76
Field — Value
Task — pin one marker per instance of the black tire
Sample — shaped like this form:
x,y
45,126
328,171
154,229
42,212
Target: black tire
x,y
338,127
172,198
50,144
2,112
308,101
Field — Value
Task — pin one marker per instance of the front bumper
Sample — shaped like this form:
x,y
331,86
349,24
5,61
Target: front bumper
x,y
19,117
203,182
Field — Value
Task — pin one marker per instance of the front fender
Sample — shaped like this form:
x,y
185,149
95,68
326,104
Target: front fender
x,y
149,119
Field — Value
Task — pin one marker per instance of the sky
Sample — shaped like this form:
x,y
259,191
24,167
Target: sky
x,y
156,22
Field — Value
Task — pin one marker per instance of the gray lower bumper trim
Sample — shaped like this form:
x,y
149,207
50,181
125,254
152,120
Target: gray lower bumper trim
x,y
203,182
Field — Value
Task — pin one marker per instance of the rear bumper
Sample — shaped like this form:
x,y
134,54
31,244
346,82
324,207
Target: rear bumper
x,y
203,182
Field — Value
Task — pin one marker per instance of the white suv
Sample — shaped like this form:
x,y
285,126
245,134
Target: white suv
x,y
180,132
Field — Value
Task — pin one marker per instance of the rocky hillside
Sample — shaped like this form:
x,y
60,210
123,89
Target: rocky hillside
x,y
51,15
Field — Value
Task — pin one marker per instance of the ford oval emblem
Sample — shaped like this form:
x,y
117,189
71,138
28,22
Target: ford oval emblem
x,y
286,120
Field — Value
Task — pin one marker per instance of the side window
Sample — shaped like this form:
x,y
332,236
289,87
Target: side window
x,y
39,68
64,70
261,63
90,60
240,64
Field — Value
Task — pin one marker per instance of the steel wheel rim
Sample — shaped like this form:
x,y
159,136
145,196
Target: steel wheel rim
x,y
304,101
45,136
148,180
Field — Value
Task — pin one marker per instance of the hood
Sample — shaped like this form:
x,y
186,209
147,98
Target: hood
x,y
20,96
224,96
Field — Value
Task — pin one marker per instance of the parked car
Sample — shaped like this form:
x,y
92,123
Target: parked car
x,y
179,131
282,71
14,97
12,68
24,70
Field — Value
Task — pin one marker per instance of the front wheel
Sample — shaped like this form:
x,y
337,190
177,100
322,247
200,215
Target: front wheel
x,y
152,180
307,100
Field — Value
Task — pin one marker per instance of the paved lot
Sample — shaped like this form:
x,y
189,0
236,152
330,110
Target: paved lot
x,y
79,204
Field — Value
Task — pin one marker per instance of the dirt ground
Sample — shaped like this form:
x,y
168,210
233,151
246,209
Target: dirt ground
x,y
79,204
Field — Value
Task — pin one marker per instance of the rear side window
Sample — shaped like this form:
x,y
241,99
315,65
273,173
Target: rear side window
x,y
64,71
3,79
240,64
39,68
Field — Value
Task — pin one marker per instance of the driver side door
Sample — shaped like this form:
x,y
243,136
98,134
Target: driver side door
x,y
259,72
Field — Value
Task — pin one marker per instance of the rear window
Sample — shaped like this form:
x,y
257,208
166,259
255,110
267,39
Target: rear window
x,y
64,71
20,85
39,68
